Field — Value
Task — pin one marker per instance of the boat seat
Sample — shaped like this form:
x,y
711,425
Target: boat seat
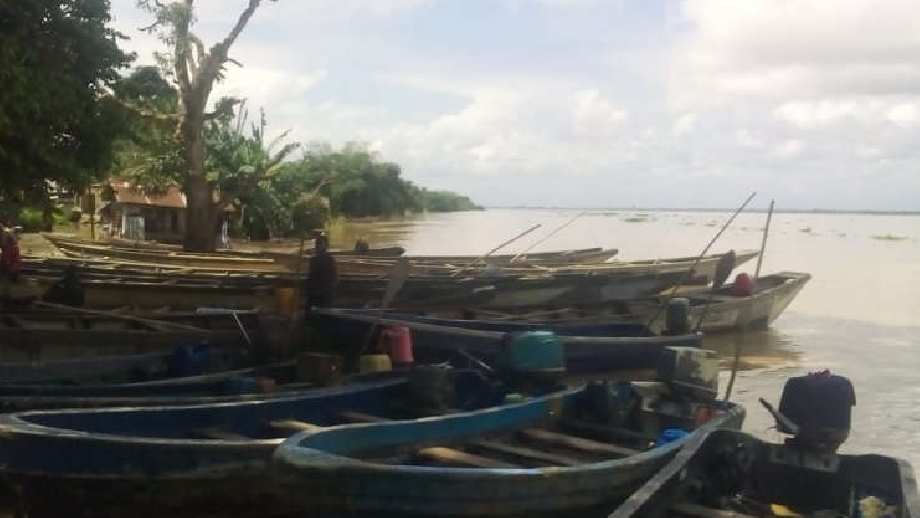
x,y
437,453
360,417
525,453
223,435
457,457
575,443
293,426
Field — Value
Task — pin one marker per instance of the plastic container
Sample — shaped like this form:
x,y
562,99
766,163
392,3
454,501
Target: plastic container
x,y
287,300
532,353
397,342
670,435
375,363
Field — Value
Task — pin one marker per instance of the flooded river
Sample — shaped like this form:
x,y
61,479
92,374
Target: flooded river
x,y
859,316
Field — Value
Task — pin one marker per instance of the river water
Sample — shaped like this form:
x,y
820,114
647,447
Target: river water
x,y
859,316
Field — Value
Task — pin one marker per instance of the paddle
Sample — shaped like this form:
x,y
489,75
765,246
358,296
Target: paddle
x,y
398,275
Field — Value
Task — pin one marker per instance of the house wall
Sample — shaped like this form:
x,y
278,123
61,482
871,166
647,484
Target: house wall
x,y
164,224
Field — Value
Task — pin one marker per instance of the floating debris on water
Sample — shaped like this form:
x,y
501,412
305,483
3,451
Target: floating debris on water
x,y
888,237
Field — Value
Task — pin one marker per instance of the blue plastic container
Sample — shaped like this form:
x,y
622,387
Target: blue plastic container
x,y
670,435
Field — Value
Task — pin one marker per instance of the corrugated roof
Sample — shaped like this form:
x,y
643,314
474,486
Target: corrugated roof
x,y
172,198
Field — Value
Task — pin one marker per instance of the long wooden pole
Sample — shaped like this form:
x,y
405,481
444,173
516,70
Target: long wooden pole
x,y
739,345
699,258
551,234
110,314
503,245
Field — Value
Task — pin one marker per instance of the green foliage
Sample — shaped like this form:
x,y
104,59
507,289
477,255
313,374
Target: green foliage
x,y
57,57
446,201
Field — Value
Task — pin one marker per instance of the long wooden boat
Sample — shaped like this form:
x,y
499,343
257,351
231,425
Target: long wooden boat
x,y
541,457
282,261
724,473
41,336
103,290
196,460
721,312
626,347
703,269
582,255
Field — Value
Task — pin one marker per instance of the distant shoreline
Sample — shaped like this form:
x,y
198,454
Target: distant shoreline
x,y
671,209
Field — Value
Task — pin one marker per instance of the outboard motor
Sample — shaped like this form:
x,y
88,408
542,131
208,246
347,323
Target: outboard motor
x,y
816,410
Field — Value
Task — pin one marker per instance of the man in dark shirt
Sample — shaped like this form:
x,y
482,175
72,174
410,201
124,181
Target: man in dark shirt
x,y
322,276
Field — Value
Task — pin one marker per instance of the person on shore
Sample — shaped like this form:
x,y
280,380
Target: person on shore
x,y
10,266
322,277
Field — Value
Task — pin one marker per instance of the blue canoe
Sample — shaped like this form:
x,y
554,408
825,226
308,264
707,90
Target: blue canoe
x,y
202,459
541,457
606,348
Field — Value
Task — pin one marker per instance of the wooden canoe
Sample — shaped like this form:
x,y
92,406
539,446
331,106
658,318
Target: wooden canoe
x,y
582,255
767,476
40,336
541,457
458,266
603,350
188,291
722,312
208,459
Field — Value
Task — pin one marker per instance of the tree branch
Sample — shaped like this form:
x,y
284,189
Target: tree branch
x,y
219,52
199,48
182,48
224,107
143,113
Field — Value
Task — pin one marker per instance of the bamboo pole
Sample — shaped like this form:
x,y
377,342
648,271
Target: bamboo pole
x,y
551,234
739,344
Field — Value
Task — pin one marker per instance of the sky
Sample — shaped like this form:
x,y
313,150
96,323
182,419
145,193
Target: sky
x,y
593,103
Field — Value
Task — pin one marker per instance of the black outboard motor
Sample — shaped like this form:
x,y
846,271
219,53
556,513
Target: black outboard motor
x,y
817,410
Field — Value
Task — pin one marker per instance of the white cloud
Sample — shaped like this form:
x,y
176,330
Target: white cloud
x,y
684,124
904,114
790,148
594,116
745,139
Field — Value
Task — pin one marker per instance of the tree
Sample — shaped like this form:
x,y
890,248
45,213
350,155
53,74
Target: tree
x,y
57,57
195,71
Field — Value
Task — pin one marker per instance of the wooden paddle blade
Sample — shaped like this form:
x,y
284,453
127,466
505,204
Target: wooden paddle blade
x,y
397,275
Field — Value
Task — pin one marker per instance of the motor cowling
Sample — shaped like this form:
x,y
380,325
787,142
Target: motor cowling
x,y
820,404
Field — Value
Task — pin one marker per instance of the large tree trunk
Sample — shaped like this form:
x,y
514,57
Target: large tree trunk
x,y
201,215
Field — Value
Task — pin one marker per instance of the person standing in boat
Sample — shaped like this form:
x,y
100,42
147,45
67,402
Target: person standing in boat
x,y
322,277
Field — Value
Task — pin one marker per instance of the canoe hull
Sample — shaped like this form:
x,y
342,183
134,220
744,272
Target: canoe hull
x,y
317,471
585,355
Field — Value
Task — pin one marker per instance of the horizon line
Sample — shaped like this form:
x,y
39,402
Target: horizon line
x,y
895,212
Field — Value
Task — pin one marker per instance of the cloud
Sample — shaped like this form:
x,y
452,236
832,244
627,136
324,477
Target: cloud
x,y
790,148
589,102
594,116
